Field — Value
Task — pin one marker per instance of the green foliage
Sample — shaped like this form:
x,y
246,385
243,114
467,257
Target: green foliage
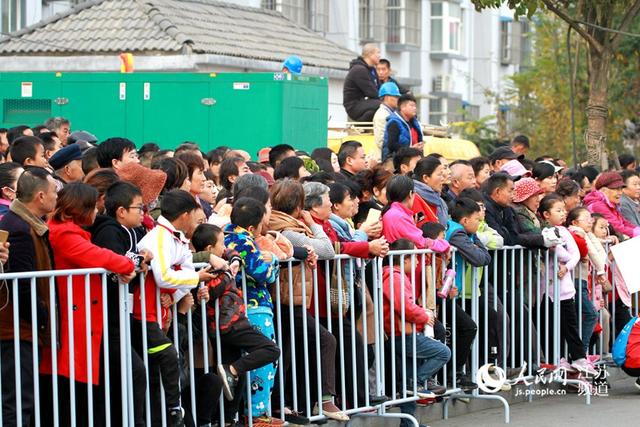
x,y
520,7
481,132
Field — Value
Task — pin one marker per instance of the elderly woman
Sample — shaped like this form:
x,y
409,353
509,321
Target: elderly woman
x,y
289,217
319,204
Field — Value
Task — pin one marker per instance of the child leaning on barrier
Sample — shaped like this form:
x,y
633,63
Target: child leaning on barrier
x,y
174,274
562,261
260,272
235,329
592,264
431,355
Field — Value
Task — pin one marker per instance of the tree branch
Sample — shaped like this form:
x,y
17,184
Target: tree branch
x,y
624,25
572,22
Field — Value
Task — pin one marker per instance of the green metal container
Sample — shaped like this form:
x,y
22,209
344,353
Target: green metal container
x,y
241,110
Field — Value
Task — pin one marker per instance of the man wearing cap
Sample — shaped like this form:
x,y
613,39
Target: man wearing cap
x,y
500,156
293,65
389,94
67,164
605,200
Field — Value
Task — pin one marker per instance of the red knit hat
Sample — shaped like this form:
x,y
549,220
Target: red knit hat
x,y
525,188
149,181
611,180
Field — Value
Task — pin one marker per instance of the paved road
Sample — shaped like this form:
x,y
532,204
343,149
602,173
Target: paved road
x,y
620,408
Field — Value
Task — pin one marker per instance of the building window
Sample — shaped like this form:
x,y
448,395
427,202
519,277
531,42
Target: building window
x,y
446,27
505,42
366,20
13,15
314,14
403,22
445,110
525,43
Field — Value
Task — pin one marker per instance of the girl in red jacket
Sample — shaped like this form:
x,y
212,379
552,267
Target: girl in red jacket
x,y
78,360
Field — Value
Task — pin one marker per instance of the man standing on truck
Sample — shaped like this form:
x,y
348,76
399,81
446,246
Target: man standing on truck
x,y
360,91
389,94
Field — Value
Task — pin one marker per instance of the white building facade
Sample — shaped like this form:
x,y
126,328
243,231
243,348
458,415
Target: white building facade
x,y
449,54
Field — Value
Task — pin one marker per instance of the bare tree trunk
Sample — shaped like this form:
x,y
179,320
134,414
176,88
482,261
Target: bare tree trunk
x,y
597,108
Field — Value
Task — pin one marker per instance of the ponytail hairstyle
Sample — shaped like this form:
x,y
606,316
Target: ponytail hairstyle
x,y
574,214
547,202
398,189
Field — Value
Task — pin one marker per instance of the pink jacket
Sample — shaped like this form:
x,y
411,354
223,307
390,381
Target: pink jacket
x,y
398,223
596,202
414,314
568,255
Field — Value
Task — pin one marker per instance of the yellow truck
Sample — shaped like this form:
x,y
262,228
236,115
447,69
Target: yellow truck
x,y
436,140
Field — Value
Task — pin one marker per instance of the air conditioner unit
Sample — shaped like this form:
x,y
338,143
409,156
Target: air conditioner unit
x,y
442,83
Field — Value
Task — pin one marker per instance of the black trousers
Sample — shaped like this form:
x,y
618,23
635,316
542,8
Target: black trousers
x,y
466,330
492,332
258,349
568,329
9,406
621,317
208,390
163,357
328,357
632,372
354,364
364,110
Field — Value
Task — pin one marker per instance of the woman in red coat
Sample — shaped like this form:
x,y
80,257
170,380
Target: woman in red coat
x,y
72,249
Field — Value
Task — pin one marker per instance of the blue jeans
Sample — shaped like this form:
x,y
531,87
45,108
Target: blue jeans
x,y
431,356
589,313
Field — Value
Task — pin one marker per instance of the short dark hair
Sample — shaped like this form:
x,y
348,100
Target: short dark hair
x,y
113,149
407,97
398,188
478,163
567,187
463,208
385,62
90,160
48,140
289,168
287,195
120,194
495,181
473,194
186,147
149,147
548,201
591,172
258,193
38,130
229,168
205,235
101,179
25,148
247,212
432,230
32,180
625,160
426,166
16,132
520,140
177,202
402,245
175,169
276,154
215,156
347,149
76,202
192,161
403,156
625,174
338,192
8,174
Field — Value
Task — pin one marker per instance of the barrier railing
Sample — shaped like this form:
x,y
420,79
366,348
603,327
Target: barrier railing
x,y
79,357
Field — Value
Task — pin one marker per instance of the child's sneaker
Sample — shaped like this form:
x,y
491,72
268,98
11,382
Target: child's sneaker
x,y
175,418
564,364
265,421
229,381
584,366
422,393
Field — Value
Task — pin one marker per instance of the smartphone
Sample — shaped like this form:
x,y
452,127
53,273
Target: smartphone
x,y
373,216
4,235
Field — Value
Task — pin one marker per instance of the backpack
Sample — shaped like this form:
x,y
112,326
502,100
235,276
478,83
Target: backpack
x,y
619,351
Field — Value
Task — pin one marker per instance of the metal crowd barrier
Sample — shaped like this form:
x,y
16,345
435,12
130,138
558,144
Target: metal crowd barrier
x,y
375,373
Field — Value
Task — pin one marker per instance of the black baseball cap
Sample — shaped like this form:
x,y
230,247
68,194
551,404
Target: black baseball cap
x,y
504,153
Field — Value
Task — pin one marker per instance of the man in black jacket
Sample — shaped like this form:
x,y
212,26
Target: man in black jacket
x,y
499,215
360,91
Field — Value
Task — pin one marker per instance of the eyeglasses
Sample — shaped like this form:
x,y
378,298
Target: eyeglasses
x,y
140,208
